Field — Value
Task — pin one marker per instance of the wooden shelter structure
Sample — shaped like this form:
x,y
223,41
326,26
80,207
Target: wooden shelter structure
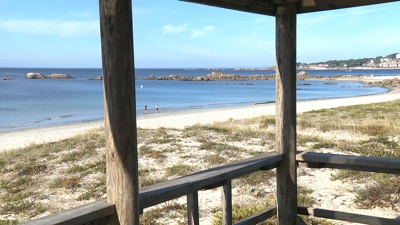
x,y
124,199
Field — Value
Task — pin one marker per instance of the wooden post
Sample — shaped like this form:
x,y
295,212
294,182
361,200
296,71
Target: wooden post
x,y
286,112
227,203
193,208
120,109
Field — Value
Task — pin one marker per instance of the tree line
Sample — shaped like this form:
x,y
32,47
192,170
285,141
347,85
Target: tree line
x,y
350,62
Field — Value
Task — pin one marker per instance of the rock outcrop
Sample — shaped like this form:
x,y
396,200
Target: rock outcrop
x,y
214,76
389,83
97,78
52,76
7,78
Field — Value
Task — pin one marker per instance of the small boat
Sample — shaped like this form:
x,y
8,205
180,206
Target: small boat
x,y
141,86
348,70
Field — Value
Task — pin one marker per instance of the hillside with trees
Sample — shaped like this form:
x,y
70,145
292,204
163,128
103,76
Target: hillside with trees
x,y
350,62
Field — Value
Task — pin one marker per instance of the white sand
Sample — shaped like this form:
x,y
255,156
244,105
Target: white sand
x,y
180,119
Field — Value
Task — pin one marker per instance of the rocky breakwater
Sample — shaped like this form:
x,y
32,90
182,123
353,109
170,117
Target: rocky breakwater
x,y
214,76
7,78
52,76
388,83
97,78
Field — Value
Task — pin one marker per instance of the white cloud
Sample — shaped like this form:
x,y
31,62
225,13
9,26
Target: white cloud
x,y
169,29
202,32
49,27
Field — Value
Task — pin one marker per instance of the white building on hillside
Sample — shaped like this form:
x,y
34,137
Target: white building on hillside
x,y
398,56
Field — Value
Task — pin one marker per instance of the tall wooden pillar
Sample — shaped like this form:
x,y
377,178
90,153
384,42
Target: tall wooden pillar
x,y
120,109
286,112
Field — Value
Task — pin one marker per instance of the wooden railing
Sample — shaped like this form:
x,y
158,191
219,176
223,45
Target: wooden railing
x,y
98,212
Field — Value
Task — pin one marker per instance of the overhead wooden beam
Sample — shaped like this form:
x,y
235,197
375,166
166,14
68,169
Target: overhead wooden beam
x,y
120,109
252,6
268,7
286,112
322,5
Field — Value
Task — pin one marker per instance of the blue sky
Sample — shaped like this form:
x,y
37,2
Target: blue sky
x,y
174,34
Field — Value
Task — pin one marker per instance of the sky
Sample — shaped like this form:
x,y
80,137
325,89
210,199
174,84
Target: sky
x,y
176,34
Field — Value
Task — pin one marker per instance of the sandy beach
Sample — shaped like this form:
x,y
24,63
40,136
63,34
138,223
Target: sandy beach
x,y
181,119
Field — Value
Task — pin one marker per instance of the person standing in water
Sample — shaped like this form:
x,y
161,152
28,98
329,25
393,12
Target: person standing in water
x,y
156,108
145,109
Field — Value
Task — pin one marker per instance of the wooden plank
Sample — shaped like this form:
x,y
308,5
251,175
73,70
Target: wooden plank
x,y
158,193
370,164
252,6
322,5
227,203
350,217
120,109
300,221
286,173
259,217
267,7
193,208
99,210
283,1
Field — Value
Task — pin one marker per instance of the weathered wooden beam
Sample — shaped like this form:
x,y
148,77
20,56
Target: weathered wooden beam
x,y
96,211
286,112
161,192
268,7
252,6
350,217
226,192
193,208
259,217
370,164
300,221
120,109
283,1
322,5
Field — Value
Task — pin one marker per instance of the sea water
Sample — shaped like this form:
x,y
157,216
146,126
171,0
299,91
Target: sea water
x,y
26,103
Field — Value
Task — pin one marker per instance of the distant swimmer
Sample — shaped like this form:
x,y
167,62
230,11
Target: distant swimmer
x,y
145,109
156,108
141,86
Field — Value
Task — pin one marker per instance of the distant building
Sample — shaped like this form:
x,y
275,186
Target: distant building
x,y
398,56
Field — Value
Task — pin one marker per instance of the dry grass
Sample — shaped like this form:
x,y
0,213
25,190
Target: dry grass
x,y
76,168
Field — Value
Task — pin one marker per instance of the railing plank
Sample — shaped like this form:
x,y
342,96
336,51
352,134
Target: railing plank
x,y
370,164
95,211
193,208
158,193
259,217
350,217
226,192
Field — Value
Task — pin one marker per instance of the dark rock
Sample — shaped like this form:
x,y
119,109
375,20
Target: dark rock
x,y
97,78
52,76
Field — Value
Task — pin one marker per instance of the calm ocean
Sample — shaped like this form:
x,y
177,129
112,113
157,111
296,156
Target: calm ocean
x,y
32,103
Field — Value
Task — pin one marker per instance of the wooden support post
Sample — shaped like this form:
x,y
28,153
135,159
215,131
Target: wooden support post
x,y
120,109
227,203
286,112
193,208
